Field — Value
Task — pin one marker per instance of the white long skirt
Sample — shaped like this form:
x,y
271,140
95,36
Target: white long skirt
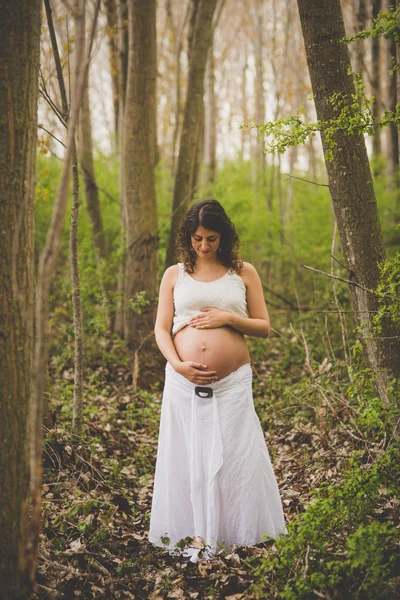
x,y
213,475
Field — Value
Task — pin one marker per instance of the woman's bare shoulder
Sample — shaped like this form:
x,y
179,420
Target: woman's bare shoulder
x,y
171,275
249,272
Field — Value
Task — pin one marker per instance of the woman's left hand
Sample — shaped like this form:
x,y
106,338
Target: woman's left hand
x,y
210,318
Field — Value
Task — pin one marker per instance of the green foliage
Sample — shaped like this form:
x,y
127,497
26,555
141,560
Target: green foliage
x,y
139,302
386,24
353,115
388,292
345,544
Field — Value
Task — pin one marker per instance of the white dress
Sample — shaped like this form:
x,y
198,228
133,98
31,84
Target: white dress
x,y
213,477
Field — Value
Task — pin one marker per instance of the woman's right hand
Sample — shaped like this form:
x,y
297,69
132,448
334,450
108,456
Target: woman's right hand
x,y
196,372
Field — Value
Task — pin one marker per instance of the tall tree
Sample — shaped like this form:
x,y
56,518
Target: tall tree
x,y
350,182
74,260
19,71
123,37
139,157
391,101
45,271
201,36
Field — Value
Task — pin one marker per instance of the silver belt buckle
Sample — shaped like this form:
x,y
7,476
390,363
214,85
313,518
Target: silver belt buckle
x,y
203,392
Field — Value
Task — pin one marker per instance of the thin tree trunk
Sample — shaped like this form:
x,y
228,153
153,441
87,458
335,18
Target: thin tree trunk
x,y
280,203
177,105
259,96
244,102
393,141
112,18
360,17
19,70
198,161
198,50
77,416
139,156
350,183
46,269
210,123
396,4
85,152
376,82
123,74
289,186
75,282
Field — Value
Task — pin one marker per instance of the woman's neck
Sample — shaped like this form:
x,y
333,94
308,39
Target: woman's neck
x,y
204,263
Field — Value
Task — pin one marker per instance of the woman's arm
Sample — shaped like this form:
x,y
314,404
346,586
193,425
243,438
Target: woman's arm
x,y
194,372
165,315
257,324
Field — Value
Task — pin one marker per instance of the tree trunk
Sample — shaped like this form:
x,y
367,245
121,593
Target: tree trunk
x,y
177,104
19,70
123,75
393,141
198,161
77,417
396,4
198,50
75,280
376,82
111,12
259,98
139,156
77,412
350,182
244,107
360,23
210,124
85,151
45,271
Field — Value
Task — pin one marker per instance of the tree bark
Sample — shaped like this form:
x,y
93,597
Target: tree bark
x,y
139,156
123,19
350,183
19,71
203,11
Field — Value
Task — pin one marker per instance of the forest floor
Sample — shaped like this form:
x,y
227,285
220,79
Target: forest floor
x,y
98,489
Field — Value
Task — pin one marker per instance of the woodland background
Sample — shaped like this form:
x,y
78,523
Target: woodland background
x,y
151,106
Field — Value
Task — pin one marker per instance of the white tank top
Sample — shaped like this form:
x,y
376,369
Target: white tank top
x,y
190,296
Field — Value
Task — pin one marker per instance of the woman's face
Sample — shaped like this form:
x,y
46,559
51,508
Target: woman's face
x,y
205,242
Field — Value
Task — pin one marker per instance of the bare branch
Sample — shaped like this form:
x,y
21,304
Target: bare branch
x,y
57,60
336,277
53,136
306,180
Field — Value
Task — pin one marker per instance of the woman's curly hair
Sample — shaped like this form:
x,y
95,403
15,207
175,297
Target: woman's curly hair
x,y
210,215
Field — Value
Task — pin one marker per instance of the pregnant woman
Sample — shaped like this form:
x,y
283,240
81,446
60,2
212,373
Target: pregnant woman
x,y
214,482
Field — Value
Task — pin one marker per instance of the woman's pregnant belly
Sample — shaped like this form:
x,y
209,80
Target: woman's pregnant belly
x,y
222,349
